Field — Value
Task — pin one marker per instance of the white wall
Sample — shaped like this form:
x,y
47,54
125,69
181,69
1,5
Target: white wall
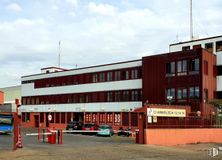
x,y
178,47
85,70
219,83
83,107
29,90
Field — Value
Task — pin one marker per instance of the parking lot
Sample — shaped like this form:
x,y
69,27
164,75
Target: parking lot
x,y
86,147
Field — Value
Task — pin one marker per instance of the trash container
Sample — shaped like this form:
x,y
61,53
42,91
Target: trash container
x,y
53,138
137,136
49,136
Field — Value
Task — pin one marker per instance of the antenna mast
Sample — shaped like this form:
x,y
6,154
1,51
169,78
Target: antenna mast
x,y
59,54
191,21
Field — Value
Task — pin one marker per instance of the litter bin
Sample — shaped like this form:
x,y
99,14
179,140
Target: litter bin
x,y
137,136
49,136
53,138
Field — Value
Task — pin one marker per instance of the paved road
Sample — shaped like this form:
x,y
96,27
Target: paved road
x,y
69,140
84,147
6,141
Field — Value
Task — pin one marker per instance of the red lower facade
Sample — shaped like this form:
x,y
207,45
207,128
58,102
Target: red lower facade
x,y
60,119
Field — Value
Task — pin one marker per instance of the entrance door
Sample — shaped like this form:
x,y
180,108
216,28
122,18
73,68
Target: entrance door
x,y
36,117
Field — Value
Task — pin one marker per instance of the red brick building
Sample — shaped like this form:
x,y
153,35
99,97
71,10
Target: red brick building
x,y
109,93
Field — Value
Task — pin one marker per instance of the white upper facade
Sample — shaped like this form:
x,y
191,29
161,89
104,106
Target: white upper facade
x,y
216,49
28,89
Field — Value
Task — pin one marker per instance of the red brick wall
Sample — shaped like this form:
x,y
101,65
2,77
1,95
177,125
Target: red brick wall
x,y
170,137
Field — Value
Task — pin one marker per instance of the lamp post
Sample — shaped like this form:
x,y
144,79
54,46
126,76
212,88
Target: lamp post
x,y
211,118
169,98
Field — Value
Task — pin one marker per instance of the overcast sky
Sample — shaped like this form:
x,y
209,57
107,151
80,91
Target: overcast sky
x,y
94,31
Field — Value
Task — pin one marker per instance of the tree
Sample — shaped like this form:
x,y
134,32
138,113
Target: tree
x,y
217,103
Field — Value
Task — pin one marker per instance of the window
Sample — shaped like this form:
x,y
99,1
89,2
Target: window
x,y
27,117
109,76
206,95
102,77
125,75
81,99
125,95
170,92
109,97
181,93
42,117
186,48
117,119
117,75
218,46
134,73
94,117
88,98
194,66
117,96
134,96
95,78
57,117
205,67
170,69
209,47
63,117
182,67
194,92
109,117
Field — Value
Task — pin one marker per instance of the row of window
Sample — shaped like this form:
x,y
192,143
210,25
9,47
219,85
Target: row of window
x,y
111,96
182,67
208,46
124,74
102,118
183,93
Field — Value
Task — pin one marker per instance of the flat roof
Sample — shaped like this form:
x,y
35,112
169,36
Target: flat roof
x,y
196,40
85,68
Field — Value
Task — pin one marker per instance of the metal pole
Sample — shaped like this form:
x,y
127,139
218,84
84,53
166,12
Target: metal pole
x,y
191,21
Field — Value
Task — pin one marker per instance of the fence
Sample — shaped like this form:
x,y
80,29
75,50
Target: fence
x,y
187,122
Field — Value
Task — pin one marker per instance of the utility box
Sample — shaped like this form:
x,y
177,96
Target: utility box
x,y
1,97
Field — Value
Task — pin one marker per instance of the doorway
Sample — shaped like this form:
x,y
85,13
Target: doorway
x,y
36,118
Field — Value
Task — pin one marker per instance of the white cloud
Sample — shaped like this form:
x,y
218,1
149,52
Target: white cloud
x,y
104,9
94,33
14,7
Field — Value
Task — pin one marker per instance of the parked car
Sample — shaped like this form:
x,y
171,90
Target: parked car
x,y
74,125
122,132
105,130
90,127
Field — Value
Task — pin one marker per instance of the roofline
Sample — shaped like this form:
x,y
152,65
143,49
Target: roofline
x,y
102,65
173,44
167,53
17,86
54,68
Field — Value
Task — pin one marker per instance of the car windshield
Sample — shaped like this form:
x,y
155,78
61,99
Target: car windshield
x,y
104,127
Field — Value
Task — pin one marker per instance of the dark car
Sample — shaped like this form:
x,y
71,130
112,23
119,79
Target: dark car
x,y
122,132
90,127
74,125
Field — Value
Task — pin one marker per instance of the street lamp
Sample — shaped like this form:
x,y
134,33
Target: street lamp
x,y
198,113
169,98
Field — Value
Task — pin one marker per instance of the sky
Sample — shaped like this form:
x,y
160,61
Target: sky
x,y
94,32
